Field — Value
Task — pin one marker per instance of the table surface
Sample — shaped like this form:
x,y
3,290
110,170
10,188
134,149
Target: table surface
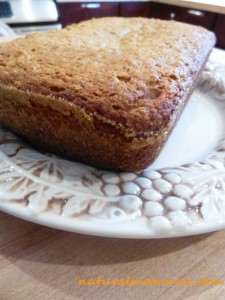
x,y
217,6
37,262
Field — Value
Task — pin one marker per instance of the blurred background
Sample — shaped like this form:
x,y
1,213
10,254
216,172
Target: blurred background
x,y
26,16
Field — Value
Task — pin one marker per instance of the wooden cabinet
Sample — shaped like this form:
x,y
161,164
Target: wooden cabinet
x,y
163,11
197,17
134,9
220,30
77,12
191,16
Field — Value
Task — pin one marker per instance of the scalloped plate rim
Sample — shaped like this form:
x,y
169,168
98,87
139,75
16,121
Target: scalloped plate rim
x,y
87,226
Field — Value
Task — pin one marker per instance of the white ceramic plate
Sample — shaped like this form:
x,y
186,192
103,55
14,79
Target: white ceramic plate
x,y
182,193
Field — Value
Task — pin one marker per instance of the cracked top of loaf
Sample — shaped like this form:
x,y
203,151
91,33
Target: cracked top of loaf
x,y
131,73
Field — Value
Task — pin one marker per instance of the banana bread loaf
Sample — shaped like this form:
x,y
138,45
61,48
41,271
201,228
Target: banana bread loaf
x,y
106,92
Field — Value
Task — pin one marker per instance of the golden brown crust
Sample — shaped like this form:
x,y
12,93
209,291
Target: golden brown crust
x,y
105,91
132,72
64,130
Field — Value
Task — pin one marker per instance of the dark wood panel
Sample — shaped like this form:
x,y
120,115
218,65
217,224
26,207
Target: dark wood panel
x,y
197,17
77,12
220,30
164,11
182,14
134,9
